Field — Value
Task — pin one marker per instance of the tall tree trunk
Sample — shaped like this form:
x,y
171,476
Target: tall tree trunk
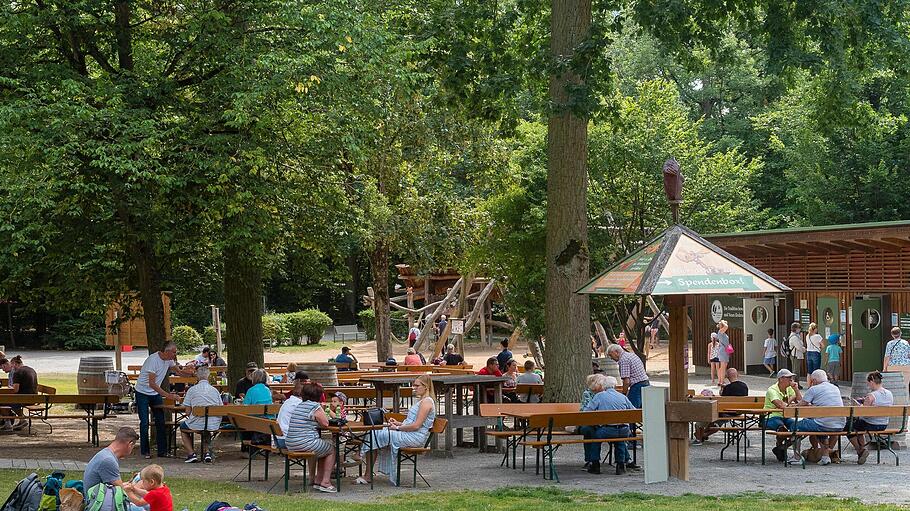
x,y
567,316
149,294
379,268
351,289
243,312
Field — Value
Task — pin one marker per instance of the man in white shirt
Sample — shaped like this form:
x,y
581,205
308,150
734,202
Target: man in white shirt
x,y
200,394
150,395
820,393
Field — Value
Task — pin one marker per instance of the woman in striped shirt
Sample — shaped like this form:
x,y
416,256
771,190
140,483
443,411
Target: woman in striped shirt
x,y
303,436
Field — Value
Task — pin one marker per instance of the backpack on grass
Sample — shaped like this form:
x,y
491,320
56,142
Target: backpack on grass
x,y
106,497
26,495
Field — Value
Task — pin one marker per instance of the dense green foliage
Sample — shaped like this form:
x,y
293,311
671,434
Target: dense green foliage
x,y
186,338
307,148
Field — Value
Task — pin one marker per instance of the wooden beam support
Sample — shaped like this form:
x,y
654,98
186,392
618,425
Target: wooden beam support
x,y
679,381
880,244
431,320
904,242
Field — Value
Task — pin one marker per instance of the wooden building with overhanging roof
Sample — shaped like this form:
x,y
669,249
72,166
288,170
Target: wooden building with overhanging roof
x,y
853,280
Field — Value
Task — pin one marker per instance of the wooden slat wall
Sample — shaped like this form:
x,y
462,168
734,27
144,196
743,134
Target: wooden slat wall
x,y
869,271
702,326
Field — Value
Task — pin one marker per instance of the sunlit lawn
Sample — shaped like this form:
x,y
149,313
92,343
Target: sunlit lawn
x,y
196,495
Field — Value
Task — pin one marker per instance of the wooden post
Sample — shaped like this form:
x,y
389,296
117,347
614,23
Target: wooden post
x,y
118,348
679,384
410,306
483,323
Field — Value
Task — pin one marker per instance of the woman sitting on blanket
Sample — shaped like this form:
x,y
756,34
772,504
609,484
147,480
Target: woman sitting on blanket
x,y
412,432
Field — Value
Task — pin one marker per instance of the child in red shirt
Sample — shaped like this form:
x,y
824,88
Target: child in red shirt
x,y
153,493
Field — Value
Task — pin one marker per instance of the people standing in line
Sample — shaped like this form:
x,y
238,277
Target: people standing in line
x,y
723,351
713,361
797,350
897,355
504,356
150,396
877,396
814,343
833,351
783,361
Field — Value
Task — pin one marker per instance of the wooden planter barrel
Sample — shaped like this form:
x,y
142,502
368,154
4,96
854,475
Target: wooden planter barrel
x,y
324,374
90,379
893,381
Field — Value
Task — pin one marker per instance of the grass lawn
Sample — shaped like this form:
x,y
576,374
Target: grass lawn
x,y
316,347
196,495
63,382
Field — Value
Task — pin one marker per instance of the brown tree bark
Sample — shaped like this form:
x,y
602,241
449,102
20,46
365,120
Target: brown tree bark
x,y
379,269
567,314
243,312
149,283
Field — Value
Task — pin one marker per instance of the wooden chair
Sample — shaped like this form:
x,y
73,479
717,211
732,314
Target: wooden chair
x,y
411,454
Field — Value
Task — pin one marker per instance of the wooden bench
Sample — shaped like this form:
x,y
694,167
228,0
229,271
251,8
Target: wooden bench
x,y
212,411
411,454
514,435
548,446
849,412
271,428
38,407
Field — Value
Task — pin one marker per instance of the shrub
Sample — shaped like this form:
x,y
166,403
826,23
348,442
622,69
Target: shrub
x,y
314,324
186,338
82,334
368,322
274,327
208,335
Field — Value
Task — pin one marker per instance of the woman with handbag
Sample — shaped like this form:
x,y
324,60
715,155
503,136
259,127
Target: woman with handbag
x,y
303,435
724,350
412,432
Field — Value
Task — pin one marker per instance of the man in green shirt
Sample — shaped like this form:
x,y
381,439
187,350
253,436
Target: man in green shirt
x,y
780,395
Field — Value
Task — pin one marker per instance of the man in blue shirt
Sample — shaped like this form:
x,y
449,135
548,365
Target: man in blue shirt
x,y
607,398
504,356
345,358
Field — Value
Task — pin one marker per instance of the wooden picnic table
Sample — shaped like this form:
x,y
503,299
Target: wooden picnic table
x,y
451,386
38,407
357,431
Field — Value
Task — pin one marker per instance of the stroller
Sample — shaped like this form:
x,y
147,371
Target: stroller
x,y
118,384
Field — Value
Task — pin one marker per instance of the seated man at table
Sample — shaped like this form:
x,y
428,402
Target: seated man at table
x,y
345,357
200,394
606,398
24,380
736,387
491,369
820,393
779,396
451,358
242,386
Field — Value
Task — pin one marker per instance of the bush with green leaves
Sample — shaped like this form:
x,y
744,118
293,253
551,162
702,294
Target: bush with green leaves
x,y
78,334
309,323
274,327
186,338
368,322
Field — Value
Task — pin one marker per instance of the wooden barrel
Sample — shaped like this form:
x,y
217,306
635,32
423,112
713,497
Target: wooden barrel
x,y
893,381
324,374
609,367
90,379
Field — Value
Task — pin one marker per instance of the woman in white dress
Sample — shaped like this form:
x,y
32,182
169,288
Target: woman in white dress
x,y
412,432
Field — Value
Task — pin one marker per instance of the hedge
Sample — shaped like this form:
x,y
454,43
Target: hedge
x,y
186,338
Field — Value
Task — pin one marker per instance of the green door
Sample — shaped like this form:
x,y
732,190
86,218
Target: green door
x,y
828,324
867,334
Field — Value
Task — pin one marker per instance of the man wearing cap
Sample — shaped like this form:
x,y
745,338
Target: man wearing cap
x,y
245,383
346,357
780,395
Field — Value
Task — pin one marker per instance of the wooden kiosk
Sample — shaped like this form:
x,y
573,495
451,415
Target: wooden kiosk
x,y
676,264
